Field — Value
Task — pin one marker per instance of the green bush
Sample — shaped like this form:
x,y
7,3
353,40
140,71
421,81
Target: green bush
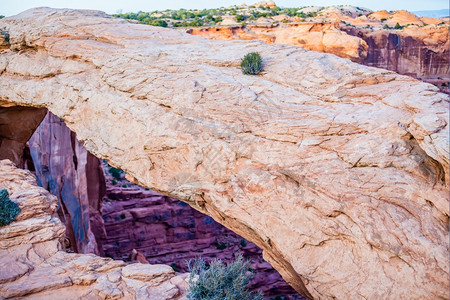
x,y
116,173
220,281
8,209
251,64
175,267
240,18
221,246
160,23
398,26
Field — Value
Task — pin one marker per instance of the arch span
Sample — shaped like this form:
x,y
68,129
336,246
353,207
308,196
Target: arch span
x,y
338,171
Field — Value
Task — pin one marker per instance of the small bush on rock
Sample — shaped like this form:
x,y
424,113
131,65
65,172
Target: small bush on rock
x,y
8,209
251,64
220,281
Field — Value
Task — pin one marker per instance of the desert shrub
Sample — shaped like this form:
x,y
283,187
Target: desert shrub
x,y
240,18
251,64
160,23
220,281
398,26
8,209
116,173
220,246
175,267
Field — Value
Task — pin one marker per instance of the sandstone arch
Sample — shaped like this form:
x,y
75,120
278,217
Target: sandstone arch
x,y
339,172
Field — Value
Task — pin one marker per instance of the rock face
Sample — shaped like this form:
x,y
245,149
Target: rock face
x,y
66,169
34,267
338,171
322,37
417,52
162,230
17,124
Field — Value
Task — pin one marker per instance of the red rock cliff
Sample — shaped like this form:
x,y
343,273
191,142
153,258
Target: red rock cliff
x,y
68,171
418,52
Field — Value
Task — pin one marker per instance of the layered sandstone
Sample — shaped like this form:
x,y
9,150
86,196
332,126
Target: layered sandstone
x,y
418,52
34,267
338,171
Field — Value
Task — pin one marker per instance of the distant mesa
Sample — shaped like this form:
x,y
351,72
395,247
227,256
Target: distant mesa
x,y
439,13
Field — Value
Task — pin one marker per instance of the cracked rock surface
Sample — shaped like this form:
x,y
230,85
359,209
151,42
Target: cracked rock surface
x,y
34,267
338,171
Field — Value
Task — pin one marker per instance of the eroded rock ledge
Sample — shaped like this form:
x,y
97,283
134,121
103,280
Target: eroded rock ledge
x,y
33,265
338,171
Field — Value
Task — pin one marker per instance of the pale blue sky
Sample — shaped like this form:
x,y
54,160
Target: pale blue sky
x,y
12,7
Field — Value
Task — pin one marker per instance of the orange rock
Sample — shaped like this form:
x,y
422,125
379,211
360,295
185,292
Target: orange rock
x,y
431,21
310,36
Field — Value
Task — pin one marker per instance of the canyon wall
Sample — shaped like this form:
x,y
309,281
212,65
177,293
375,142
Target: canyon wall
x,y
418,52
67,170
167,231
338,171
35,267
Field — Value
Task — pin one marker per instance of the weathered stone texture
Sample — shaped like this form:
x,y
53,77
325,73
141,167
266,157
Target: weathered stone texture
x,y
338,171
